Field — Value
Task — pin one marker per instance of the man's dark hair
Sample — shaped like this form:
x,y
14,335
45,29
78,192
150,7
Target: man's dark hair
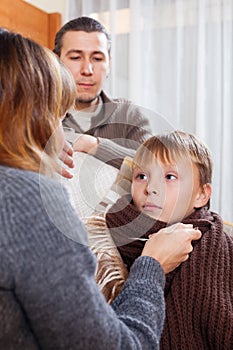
x,y
85,24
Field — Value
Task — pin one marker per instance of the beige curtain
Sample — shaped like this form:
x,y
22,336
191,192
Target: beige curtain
x,y
176,58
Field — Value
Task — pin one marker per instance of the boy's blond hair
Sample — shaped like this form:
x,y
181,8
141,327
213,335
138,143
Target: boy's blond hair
x,y
175,145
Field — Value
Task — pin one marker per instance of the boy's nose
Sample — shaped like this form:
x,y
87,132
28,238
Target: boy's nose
x,y
151,190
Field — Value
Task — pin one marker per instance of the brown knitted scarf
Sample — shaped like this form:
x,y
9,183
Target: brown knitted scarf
x,y
199,293
126,223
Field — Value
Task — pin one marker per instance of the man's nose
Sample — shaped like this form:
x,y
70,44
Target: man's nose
x,y
87,68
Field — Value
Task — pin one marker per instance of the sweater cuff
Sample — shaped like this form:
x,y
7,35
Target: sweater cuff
x,y
147,268
112,153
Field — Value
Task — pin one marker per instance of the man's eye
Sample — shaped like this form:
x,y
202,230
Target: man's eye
x,y
171,177
97,58
74,58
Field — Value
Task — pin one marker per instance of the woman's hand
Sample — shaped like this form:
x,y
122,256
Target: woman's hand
x,y
171,245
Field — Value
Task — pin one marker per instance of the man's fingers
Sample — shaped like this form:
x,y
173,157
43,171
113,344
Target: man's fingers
x,y
66,156
65,173
67,148
66,159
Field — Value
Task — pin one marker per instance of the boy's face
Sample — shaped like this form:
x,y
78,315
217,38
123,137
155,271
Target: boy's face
x,y
166,192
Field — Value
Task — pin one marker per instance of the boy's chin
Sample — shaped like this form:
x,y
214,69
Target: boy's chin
x,y
154,215
169,220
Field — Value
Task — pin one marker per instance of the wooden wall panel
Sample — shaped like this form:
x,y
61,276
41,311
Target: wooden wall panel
x,y
54,26
30,21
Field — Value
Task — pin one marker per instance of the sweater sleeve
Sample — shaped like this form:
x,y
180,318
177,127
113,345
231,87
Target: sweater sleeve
x,y
127,129
112,153
120,131
48,284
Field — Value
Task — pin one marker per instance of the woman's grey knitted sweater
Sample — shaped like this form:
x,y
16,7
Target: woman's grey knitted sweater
x,y
48,295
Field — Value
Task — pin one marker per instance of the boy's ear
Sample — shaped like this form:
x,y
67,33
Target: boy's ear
x,y
203,196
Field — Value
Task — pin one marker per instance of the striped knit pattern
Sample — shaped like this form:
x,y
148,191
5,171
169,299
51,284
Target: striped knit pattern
x,y
111,272
120,128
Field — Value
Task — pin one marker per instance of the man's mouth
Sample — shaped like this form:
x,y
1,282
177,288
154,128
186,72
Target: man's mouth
x,y
85,85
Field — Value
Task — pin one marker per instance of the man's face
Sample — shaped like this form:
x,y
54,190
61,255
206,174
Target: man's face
x,y
86,55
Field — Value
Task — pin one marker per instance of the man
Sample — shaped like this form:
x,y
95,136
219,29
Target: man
x,y
109,129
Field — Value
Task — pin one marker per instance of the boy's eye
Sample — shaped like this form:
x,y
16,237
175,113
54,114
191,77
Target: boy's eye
x,y
141,176
171,177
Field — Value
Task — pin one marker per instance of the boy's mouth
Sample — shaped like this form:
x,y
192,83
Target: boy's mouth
x,y
151,206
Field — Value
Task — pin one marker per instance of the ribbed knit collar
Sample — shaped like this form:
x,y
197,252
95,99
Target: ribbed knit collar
x,y
126,223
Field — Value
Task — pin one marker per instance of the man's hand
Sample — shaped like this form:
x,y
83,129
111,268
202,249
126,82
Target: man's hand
x,y
86,143
172,245
66,156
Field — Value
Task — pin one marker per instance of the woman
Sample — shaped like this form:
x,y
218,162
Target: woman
x,y
49,299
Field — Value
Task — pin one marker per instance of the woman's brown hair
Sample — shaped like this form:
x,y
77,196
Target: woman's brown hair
x,y
35,91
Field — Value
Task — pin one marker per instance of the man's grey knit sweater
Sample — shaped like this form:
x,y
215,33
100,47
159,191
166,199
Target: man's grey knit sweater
x,y
121,127
48,296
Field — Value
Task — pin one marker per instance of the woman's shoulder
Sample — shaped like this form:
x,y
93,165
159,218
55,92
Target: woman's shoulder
x,y
16,181
33,200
